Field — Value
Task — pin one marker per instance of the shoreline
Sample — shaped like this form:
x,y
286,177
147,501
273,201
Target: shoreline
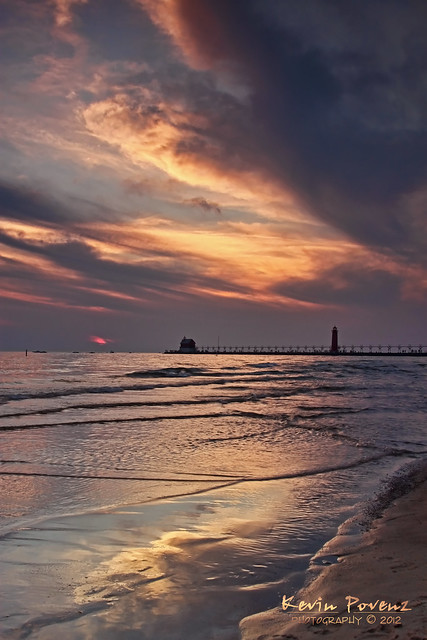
x,y
383,568
130,563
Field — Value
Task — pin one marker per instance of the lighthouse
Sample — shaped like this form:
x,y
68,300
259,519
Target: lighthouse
x,y
334,343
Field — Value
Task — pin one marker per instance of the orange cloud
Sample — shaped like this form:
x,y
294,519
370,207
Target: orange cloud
x,y
154,132
250,258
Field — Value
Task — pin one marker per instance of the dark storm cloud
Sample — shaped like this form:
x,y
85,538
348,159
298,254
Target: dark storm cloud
x,y
21,203
83,259
341,119
118,31
26,204
29,204
348,284
16,243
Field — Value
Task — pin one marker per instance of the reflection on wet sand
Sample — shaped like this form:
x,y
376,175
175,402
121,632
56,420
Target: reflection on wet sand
x,y
170,569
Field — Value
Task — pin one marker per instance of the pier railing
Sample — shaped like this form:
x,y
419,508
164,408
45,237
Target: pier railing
x,y
297,350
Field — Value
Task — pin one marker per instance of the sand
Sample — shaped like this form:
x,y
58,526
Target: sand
x,y
387,565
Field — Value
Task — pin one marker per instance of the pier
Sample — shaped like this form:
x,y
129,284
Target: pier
x,y
360,350
188,345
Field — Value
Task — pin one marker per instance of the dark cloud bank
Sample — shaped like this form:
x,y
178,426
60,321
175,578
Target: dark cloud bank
x,y
337,105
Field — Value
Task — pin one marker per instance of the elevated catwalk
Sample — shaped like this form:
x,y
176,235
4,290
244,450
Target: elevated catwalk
x,y
389,350
188,345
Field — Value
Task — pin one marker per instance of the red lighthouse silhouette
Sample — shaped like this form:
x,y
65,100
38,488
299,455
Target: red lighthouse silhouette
x,y
334,343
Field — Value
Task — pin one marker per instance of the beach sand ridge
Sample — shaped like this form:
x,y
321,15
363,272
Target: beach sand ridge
x,y
386,566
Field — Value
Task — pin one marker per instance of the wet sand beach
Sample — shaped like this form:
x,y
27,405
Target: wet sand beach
x,y
387,566
106,576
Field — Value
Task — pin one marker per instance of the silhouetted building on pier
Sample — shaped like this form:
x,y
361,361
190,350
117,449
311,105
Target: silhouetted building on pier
x,y
334,343
187,346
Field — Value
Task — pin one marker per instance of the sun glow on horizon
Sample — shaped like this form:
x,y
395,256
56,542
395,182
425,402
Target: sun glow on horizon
x,y
99,340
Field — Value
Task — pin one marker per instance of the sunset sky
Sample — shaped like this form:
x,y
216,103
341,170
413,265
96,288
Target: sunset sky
x,y
249,169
